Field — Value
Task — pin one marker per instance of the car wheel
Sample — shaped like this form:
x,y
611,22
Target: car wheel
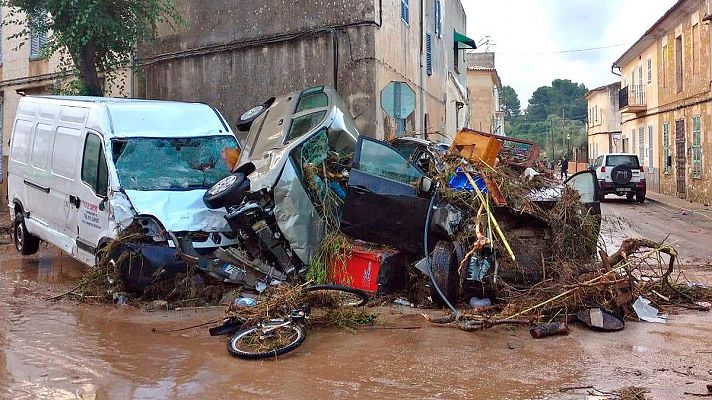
x,y
25,242
629,197
248,117
640,197
444,265
227,192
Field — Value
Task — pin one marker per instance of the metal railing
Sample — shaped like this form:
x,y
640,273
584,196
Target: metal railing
x,y
631,95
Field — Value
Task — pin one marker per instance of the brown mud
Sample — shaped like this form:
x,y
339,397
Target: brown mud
x,y
66,350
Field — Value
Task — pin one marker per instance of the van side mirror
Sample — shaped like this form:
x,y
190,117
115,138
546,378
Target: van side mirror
x,y
426,184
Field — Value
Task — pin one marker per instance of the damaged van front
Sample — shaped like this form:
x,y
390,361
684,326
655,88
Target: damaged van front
x,y
161,167
86,170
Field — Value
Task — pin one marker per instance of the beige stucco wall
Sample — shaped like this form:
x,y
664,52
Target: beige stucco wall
x,y
632,121
483,104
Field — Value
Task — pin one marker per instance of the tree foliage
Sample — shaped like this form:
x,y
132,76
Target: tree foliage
x,y
510,101
543,123
91,36
563,97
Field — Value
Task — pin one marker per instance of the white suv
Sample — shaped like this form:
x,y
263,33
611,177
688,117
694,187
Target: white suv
x,y
620,174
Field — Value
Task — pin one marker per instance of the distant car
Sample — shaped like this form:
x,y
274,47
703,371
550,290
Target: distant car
x,y
621,174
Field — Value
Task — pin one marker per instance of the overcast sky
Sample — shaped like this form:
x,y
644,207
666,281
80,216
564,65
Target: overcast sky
x,y
527,34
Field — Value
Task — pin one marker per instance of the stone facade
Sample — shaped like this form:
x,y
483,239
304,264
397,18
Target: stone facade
x,y
277,46
604,121
676,115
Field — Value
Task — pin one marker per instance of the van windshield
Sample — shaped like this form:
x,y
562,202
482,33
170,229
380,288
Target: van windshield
x,y
170,163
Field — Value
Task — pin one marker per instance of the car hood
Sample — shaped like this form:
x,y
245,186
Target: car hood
x,y
179,211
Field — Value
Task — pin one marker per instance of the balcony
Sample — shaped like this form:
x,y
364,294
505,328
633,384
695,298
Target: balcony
x,y
631,99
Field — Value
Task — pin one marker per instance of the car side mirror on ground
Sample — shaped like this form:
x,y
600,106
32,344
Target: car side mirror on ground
x,y
426,184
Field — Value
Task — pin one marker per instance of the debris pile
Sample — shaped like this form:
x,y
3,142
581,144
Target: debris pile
x,y
639,269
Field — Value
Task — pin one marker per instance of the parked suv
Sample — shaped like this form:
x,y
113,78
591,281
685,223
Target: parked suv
x,y
621,174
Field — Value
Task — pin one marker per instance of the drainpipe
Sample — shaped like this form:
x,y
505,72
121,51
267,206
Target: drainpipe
x,y
614,72
421,116
335,43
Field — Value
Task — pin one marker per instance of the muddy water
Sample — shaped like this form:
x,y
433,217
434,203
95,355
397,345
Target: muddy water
x,y
66,351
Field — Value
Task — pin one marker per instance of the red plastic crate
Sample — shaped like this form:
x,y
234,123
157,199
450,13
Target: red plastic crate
x,y
361,270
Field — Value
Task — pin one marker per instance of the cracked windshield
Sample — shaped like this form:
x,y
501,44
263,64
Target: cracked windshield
x,y
176,163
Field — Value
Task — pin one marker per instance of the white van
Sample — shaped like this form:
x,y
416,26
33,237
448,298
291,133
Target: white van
x,y
82,169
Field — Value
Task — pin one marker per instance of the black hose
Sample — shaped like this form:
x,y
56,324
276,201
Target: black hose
x,y
427,255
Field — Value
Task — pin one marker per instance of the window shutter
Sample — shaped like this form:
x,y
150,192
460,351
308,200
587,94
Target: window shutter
x,y
438,18
405,14
429,53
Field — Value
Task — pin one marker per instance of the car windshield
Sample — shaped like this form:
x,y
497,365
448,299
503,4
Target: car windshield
x,y
629,160
170,163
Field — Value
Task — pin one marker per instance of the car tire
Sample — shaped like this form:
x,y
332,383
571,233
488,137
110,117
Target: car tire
x,y
25,242
630,197
640,197
227,192
244,122
444,265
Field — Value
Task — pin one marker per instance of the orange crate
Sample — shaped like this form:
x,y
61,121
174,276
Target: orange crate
x,y
477,146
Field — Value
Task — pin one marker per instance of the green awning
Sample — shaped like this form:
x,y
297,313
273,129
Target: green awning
x,y
462,42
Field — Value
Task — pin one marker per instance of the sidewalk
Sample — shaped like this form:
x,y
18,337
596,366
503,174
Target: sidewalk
x,y
680,204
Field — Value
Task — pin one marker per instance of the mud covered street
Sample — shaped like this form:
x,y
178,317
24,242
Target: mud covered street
x,y
66,350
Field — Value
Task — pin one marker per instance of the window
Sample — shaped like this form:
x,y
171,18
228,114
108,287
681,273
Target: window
x,y
381,160
405,11
438,19
304,124
650,69
38,40
664,71
694,43
631,161
94,170
650,147
312,101
641,144
666,148
595,113
632,141
599,162
429,54
678,64
696,147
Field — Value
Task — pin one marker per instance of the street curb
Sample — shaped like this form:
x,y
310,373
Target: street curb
x,y
672,206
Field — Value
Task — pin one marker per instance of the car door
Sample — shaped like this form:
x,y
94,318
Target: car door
x,y
90,198
384,202
586,184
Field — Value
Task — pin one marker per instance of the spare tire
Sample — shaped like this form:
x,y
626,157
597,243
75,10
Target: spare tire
x,y
621,174
227,192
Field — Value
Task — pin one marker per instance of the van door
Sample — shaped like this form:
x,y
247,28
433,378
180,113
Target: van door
x,y
91,198
66,159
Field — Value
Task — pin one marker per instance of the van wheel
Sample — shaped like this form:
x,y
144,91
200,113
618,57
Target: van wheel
x,y
640,197
25,242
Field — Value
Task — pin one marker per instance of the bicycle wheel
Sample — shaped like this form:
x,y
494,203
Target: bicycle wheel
x,y
266,342
334,296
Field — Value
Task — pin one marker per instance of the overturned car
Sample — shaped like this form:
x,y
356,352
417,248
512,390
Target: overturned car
x,y
305,171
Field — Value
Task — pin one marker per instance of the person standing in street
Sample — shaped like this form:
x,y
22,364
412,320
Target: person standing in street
x,y
564,168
